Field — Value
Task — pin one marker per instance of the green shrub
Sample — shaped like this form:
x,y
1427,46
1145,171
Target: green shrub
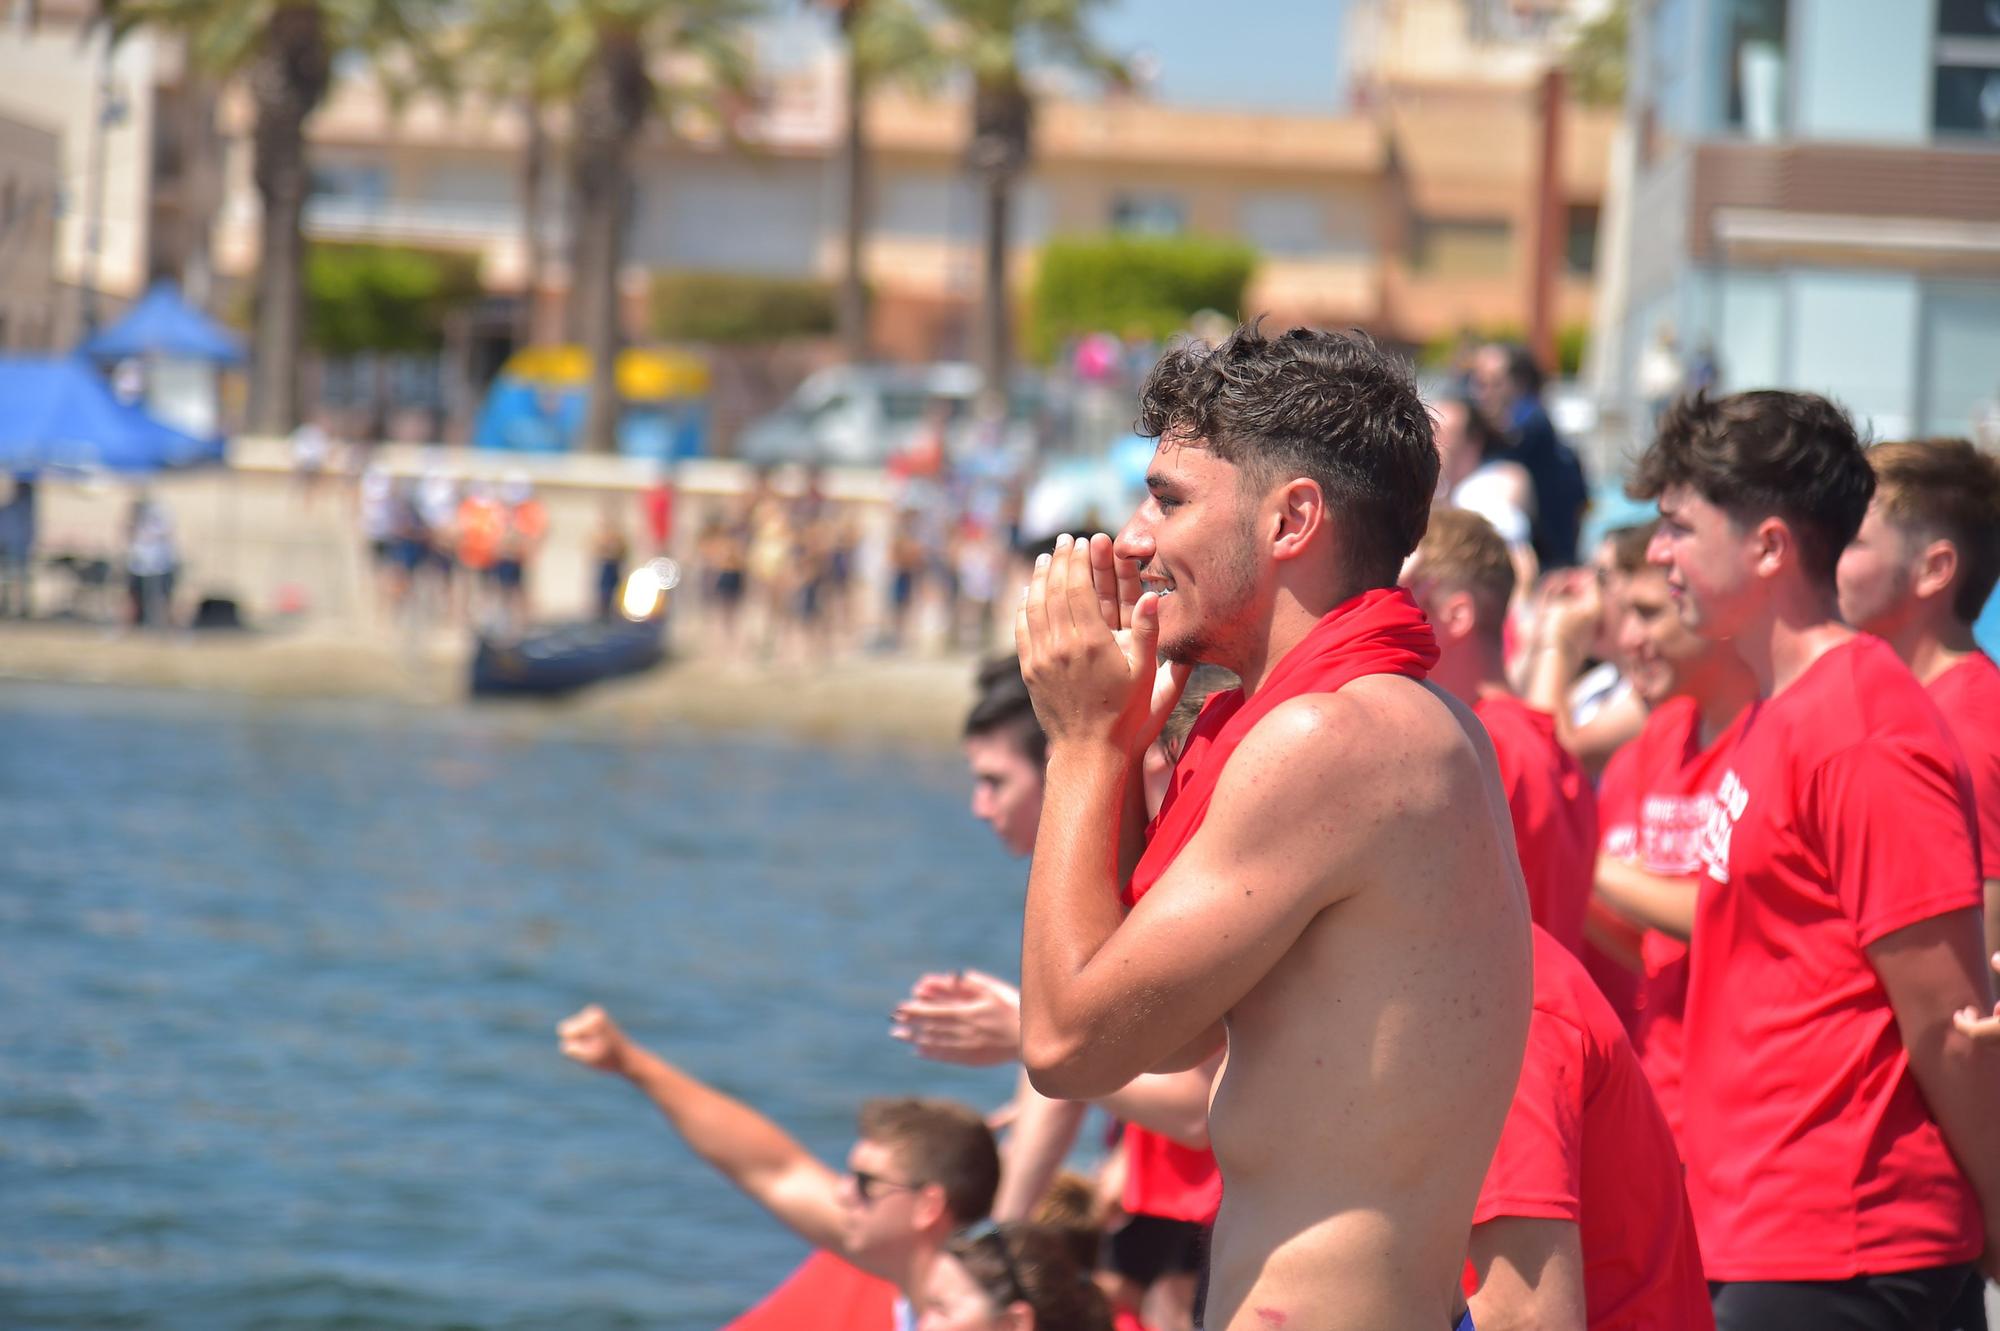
x,y
1571,340
383,298
739,307
1132,284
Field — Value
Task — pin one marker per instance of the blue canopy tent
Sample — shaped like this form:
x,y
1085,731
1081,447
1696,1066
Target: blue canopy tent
x,y
164,326
181,352
56,412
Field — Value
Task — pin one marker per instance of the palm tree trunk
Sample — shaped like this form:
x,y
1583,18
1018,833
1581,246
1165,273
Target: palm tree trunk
x,y
534,166
854,160
611,107
996,348
287,82
1002,132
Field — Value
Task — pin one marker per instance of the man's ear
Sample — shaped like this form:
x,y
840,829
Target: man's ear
x,y
1017,1316
1456,615
1299,513
1773,546
931,1208
1937,568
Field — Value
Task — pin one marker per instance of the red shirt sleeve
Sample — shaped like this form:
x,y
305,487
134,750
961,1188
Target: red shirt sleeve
x,y
1893,825
1537,1171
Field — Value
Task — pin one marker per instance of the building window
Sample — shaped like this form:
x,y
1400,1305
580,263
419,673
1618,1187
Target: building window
x,y
1580,244
1283,223
1968,69
1463,248
1148,214
1754,79
1968,18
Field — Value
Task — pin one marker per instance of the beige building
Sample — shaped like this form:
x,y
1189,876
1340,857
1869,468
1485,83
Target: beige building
x,y
30,198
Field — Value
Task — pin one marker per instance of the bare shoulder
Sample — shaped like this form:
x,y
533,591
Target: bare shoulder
x,y
1382,738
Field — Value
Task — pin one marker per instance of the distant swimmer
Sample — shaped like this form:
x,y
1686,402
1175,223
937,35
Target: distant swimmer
x,y
922,1171
1331,885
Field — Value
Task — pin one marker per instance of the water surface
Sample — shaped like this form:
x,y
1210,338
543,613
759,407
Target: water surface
x,y
279,985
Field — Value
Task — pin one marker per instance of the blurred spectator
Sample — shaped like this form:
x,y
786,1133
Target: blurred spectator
x,y
1509,385
479,527
376,499
310,449
907,559
724,552
152,559
525,524
659,506
17,549
1661,376
611,550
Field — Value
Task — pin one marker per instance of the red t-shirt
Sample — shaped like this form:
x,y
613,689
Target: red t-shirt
x,y
1843,816
1616,810
1969,696
1554,812
825,1293
1674,781
1585,1142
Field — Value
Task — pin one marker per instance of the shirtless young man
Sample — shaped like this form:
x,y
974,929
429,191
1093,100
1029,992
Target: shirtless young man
x,y
1331,885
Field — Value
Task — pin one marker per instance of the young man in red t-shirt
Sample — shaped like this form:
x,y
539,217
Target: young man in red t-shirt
x,y
1917,575
1583,1221
1463,578
1842,1146
1656,798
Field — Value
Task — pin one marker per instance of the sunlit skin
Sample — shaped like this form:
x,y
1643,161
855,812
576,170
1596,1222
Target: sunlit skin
x,y
1372,1048
954,1301
1190,541
1877,577
1663,655
1006,789
1710,562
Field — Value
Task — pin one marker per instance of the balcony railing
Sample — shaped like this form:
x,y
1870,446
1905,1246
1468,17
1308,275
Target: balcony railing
x,y
409,219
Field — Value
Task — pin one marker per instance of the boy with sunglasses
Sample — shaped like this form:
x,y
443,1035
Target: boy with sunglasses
x,y
921,1171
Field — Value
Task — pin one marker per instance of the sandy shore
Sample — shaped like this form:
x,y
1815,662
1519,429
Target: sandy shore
x,y
858,698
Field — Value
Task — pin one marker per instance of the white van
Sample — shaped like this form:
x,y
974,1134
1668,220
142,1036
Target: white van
x,y
863,415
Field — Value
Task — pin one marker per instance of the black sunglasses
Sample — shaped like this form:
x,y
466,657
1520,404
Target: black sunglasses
x,y
866,1183
979,1234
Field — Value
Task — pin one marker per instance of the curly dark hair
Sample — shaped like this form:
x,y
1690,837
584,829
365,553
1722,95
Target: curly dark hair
x,y
1331,407
1762,454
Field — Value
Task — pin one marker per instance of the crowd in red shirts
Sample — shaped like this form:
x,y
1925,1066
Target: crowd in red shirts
x,y
1762,1080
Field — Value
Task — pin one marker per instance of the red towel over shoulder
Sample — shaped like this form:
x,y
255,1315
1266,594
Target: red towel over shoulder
x,y
1380,632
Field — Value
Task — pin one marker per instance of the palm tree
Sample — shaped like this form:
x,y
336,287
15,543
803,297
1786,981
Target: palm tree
x,y
284,50
992,44
598,56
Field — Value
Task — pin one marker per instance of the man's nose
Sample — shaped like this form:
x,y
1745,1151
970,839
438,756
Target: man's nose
x,y
1660,549
1134,541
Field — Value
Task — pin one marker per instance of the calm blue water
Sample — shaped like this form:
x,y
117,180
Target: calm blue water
x,y
278,992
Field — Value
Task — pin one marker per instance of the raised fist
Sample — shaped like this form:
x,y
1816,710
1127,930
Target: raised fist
x,y
594,1040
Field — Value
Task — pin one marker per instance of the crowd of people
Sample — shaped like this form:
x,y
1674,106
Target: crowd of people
x,y
1459,936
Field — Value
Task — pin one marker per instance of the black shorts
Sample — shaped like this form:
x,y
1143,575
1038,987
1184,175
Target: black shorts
x,y
1147,1247
1940,1298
